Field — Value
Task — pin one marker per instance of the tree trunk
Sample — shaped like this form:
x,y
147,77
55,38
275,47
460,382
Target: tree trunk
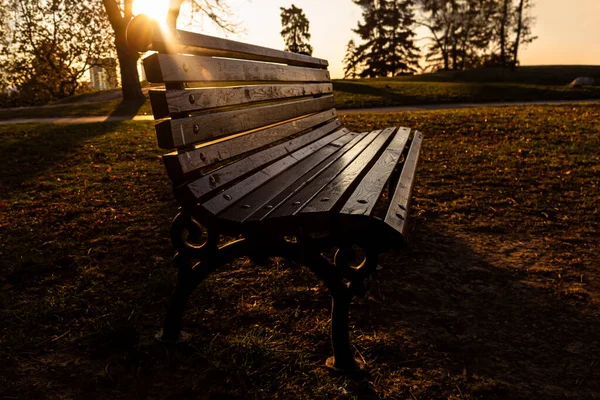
x,y
130,80
518,35
503,23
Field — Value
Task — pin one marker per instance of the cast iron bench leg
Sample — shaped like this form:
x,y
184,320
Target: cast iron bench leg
x,y
187,282
343,359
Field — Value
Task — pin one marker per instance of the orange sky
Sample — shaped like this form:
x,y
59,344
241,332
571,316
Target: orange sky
x,y
569,31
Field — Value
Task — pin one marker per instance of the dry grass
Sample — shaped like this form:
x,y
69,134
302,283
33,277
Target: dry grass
x,y
496,298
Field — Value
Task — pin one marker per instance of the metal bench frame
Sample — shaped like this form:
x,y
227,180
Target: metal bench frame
x,y
348,220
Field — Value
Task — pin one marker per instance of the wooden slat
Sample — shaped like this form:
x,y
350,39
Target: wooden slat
x,y
194,43
319,150
398,212
203,187
168,102
365,196
179,165
341,187
256,204
187,131
296,202
170,68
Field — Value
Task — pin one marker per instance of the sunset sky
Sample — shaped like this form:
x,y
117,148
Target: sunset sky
x,y
569,32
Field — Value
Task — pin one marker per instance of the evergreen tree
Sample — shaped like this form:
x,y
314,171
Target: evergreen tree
x,y
388,40
402,53
351,64
295,30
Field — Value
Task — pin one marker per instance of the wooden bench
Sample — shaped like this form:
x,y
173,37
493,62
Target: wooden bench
x,y
261,155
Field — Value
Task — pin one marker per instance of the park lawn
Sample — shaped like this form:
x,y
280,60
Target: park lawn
x,y
496,297
85,109
367,93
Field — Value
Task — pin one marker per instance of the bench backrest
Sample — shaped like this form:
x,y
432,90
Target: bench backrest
x,y
224,99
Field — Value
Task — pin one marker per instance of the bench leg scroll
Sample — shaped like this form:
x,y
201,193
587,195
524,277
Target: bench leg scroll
x,y
186,234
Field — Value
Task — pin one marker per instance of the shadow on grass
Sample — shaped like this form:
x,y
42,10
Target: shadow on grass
x,y
482,319
37,148
441,312
128,108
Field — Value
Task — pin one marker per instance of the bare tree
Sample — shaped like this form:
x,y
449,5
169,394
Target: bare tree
x,y
523,34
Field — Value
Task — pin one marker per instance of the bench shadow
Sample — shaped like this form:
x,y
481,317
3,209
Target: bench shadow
x,y
444,305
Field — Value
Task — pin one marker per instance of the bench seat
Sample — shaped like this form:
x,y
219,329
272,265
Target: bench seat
x,y
333,183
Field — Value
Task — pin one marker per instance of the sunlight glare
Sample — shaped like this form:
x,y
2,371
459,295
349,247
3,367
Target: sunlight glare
x,y
157,9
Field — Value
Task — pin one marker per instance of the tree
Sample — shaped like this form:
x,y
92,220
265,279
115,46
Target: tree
x,y
120,12
295,30
387,36
460,31
475,33
401,51
351,64
523,34
51,47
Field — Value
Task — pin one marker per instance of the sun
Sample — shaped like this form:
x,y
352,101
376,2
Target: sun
x,y
157,9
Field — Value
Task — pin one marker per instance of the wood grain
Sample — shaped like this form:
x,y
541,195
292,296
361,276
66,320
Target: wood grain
x,y
187,131
296,202
341,187
194,43
365,196
269,196
169,102
230,196
397,214
203,187
181,165
169,68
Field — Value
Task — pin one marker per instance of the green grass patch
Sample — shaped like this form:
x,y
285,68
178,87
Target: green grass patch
x,y
495,298
366,93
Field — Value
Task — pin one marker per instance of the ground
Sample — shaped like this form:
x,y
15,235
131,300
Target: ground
x,y
496,296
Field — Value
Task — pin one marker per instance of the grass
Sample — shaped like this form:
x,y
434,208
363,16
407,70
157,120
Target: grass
x,y
552,75
366,93
497,296
87,109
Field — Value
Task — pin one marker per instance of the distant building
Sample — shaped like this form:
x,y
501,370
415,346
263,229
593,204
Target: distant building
x,y
103,74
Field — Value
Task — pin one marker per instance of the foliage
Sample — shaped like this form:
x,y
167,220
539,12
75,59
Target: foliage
x,y
472,33
295,30
50,47
387,35
460,32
